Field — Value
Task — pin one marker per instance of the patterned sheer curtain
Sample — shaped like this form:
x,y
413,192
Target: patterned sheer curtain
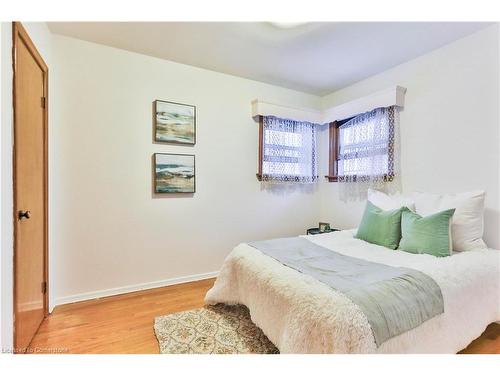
x,y
369,154
289,151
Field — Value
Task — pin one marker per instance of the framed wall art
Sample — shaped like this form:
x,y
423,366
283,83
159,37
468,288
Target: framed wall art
x,y
174,122
174,173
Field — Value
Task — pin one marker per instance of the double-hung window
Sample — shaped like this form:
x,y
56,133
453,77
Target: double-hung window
x,y
287,150
364,153
362,147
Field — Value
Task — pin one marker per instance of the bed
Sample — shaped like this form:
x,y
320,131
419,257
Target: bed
x,y
301,314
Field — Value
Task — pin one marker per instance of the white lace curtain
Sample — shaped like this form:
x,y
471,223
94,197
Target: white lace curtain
x,y
369,153
289,151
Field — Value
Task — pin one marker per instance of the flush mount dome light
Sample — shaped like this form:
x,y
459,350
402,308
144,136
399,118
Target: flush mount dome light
x,y
287,25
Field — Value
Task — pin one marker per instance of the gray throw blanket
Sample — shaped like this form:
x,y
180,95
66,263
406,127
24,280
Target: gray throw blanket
x,y
394,299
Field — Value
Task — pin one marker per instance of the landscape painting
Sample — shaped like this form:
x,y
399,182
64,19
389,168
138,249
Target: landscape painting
x,y
175,123
174,173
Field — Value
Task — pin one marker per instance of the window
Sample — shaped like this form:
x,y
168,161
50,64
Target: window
x,y
362,147
287,150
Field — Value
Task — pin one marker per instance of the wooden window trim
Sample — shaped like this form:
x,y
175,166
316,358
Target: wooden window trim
x,y
333,142
261,147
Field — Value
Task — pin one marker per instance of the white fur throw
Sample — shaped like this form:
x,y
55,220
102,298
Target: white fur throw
x,y
302,315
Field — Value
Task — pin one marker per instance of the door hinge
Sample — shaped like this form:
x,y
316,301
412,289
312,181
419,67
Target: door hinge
x,y
43,101
44,287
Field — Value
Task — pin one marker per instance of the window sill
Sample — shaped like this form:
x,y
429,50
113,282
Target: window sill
x,y
286,178
387,178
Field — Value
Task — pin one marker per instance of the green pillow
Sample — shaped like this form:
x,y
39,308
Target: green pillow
x,y
380,227
426,235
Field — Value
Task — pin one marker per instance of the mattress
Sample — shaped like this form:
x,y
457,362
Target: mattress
x,y
300,314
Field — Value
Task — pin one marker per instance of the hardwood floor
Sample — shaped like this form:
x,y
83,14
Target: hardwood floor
x,y
118,324
124,323
487,343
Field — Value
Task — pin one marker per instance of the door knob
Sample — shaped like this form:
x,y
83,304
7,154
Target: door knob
x,y
24,215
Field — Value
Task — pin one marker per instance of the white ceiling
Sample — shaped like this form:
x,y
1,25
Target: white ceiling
x,y
316,57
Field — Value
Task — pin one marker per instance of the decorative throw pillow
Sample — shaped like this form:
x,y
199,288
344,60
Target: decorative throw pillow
x,y
426,235
390,202
467,223
380,227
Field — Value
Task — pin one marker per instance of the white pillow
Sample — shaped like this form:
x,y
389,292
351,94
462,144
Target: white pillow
x,y
467,223
390,202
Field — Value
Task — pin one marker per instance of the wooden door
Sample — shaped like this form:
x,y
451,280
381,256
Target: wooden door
x,y
30,188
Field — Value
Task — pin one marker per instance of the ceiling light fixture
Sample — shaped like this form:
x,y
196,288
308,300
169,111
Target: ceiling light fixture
x,y
287,25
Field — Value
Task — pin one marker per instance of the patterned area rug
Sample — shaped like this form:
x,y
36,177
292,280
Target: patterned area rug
x,y
219,329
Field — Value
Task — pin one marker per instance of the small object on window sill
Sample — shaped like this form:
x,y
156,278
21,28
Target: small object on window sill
x,y
312,231
324,227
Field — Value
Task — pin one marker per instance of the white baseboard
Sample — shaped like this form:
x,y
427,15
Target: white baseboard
x,y
131,288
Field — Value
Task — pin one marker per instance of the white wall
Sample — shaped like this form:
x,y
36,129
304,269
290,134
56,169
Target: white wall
x,y
108,230
2,283
42,37
449,127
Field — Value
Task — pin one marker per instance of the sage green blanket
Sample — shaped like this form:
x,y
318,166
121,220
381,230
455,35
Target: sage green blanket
x,y
394,299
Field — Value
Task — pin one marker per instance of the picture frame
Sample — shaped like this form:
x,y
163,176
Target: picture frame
x,y
324,227
174,123
174,173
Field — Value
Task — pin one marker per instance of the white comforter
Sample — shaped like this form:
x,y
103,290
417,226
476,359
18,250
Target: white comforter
x,y
302,315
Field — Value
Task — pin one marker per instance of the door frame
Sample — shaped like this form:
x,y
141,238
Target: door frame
x,y
20,35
